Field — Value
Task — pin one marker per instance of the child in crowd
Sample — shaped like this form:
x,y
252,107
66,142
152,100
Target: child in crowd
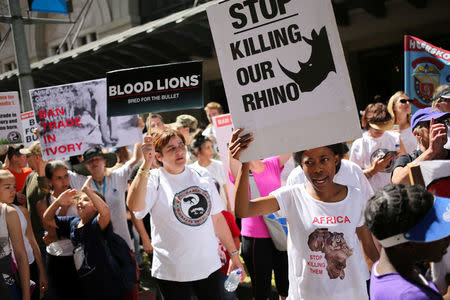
x,y
376,150
63,279
412,226
11,287
203,149
87,235
326,225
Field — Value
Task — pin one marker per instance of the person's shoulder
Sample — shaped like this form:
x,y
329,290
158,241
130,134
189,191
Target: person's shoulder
x,y
392,134
217,162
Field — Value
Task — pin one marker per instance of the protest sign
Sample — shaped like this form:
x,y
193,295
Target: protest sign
x,y
28,125
284,74
10,126
154,89
224,128
72,117
426,68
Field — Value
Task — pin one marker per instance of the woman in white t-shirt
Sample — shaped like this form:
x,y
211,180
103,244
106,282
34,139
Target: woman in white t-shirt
x,y
203,149
185,211
326,226
62,276
375,152
399,106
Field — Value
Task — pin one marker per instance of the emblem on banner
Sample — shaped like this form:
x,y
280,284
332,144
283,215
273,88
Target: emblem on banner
x,y
426,80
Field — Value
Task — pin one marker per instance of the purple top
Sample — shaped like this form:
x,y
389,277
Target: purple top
x,y
393,286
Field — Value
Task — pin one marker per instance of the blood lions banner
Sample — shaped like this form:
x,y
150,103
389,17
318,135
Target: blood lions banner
x,y
154,89
72,117
10,125
426,68
284,74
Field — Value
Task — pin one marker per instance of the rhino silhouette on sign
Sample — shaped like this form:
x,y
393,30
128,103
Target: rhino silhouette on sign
x,y
316,69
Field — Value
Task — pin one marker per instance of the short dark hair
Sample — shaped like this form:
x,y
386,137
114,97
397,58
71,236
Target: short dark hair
x,y
396,208
338,149
52,166
14,150
161,138
375,113
198,141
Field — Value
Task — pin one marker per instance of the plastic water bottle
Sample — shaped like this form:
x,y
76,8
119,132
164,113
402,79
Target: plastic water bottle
x,y
233,280
54,247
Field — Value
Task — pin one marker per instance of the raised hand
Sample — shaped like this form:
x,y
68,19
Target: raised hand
x,y
87,185
66,198
148,150
239,144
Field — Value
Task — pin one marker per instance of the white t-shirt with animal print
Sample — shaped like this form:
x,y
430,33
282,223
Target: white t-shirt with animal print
x,y
183,239
323,245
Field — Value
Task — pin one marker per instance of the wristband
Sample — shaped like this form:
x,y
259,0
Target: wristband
x,y
234,253
145,173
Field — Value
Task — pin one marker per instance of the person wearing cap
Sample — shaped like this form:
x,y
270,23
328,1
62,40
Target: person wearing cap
x,y
376,150
112,184
186,124
430,126
17,166
412,226
399,106
442,102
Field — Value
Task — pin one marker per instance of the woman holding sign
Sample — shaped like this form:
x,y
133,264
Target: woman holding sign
x,y
326,225
186,217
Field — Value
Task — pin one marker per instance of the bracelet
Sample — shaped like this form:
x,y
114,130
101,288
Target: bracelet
x,y
234,253
145,173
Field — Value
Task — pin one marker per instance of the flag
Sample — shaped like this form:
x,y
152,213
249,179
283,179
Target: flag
x,y
426,68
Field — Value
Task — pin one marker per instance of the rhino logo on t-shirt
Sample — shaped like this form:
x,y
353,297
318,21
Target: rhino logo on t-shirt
x,y
192,206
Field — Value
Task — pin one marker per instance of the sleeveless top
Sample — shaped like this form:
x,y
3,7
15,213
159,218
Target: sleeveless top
x,y
24,225
5,250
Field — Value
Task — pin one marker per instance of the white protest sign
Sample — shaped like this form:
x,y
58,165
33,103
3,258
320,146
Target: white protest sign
x,y
224,128
28,125
72,118
284,74
10,126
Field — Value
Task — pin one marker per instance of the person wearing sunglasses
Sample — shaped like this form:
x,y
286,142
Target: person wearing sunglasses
x,y
430,127
399,106
442,102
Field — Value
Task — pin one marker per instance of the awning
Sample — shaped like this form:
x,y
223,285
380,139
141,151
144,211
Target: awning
x,y
178,37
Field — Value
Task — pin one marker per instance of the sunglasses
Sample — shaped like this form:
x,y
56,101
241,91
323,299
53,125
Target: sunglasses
x,y
405,101
443,100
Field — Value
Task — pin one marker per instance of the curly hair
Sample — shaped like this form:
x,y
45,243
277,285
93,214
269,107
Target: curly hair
x,y
396,208
197,143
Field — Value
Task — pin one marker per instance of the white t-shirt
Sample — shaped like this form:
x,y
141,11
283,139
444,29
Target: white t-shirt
x,y
116,186
215,168
211,131
64,244
323,245
366,149
185,247
349,174
288,167
409,140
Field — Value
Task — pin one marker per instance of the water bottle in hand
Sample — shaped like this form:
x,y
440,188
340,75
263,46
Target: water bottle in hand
x,y
233,280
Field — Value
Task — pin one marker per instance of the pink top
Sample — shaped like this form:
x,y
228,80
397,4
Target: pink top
x,y
267,181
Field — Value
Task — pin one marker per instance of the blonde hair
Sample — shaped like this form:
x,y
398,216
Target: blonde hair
x,y
392,101
437,91
214,105
4,174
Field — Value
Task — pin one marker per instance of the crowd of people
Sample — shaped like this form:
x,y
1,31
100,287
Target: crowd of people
x,y
356,228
